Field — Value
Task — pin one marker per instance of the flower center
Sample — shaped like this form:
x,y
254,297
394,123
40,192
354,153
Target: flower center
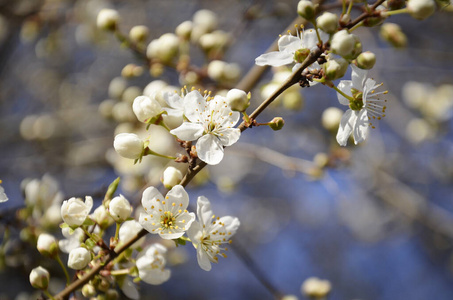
x,y
167,220
301,54
356,103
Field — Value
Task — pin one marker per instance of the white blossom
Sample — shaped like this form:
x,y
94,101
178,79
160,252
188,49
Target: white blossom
x,y
73,239
293,49
39,278
146,108
74,211
171,177
151,265
47,244
129,230
120,209
167,216
364,105
128,145
102,217
107,19
421,9
210,123
79,258
3,197
209,233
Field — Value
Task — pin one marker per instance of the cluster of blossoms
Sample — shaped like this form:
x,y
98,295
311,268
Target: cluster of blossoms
x,y
203,124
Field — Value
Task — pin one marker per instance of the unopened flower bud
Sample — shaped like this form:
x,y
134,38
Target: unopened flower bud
x,y
47,245
216,69
164,48
327,22
108,19
366,60
331,118
79,258
128,145
102,217
292,100
184,30
238,100
277,123
171,177
346,44
392,33
206,19
74,211
112,294
344,19
421,9
88,290
146,108
335,68
131,70
139,33
120,209
306,9
39,278
316,288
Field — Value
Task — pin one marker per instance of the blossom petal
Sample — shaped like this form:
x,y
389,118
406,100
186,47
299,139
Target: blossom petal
x,y
173,100
289,43
309,39
369,86
188,131
203,259
231,224
155,276
228,136
275,59
358,77
151,225
194,105
346,125
345,87
150,195
209,149
204,211
178,196
195,232
361,127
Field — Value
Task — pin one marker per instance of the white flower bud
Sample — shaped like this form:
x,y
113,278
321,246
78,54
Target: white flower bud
x,y
238,100
327,22
345,44
316,288
47,244
39,278
306,9
79,258
216,69
331,118
171,177
146,108
421,9
366,60
102,217
335,68
74,211
393,34
128,230
184,30
88,290
107,19
139,33
206,19
120,209
165,48
128,145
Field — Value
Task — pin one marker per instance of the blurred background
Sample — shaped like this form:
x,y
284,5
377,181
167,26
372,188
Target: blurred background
x,y
376,219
